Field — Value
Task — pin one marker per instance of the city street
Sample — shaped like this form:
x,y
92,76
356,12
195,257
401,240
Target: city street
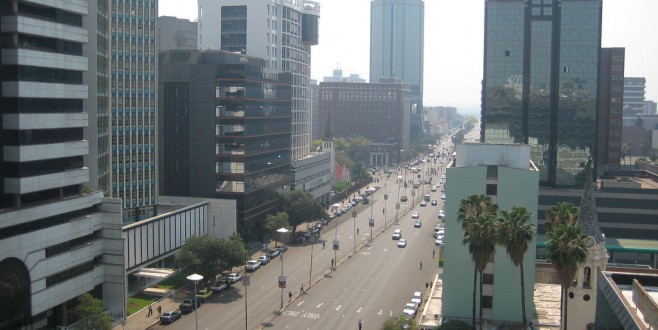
x,y
371,285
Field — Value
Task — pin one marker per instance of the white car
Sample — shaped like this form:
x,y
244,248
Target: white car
x,y
442,215
417,298
410,309
233,277
252,265
434,188
415,215
264,260
402,242
443,197
397,234
423,203
439,242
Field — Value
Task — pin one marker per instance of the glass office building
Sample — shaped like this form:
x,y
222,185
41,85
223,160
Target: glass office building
x,y
540,82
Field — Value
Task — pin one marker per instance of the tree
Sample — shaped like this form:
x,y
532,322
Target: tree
x,y
274,222
561,213
566,248
470,208
515,234
400,322
301,207
209,256
92,313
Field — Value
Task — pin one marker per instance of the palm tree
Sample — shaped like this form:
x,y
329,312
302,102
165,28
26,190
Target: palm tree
x,y
480,236
469,208
561,213
515,234
566,247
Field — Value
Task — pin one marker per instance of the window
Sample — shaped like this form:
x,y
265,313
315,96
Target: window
x,y
615,99
616,77
492,172
507,53
617,58
615,110
487,302
488,278
492,189
616,88
587,277
616,68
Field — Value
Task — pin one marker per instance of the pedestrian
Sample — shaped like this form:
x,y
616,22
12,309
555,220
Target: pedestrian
x,y
159,311
421,265
150,311
360,324
433,253
289,296
383,210
301,290
357,231
427,285
332,262
323,244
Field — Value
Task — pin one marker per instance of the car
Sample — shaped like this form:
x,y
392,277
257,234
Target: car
x,y
273,253
443,197
397,234
365,201
435,202
410,309
442,215
438,242
282,248
415,215
264,260
434,188
332,216
418,224
423,203
219,286
416,185
170,316
203,294
417,298
252,265
402,242
233,277
403,199
188,305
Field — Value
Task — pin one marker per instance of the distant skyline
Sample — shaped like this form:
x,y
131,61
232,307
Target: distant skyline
x,y
454,40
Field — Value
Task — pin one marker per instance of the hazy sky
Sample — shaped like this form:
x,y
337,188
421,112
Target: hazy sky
x,y
454,40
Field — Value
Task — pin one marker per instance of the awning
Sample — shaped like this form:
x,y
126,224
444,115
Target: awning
x,y
159,273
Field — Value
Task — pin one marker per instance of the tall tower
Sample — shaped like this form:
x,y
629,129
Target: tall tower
x,y
396,48
582,296
540,85
282,33
133,103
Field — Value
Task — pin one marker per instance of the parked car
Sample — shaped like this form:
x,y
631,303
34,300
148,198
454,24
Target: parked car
x,y
417,298
252,265
219,286
397,234
439,242
402,242
272,253
233,277
365,201
423,203
264,260
170,316
203,295
282,248
188,305
442,215
403,198
410,309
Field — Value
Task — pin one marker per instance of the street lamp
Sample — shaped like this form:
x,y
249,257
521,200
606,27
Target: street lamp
x,y
195,278
310,272
246,281
282,279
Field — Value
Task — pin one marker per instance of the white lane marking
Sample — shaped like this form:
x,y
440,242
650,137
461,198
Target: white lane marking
x,y
339,306
318,306
358,310
301,302
381,311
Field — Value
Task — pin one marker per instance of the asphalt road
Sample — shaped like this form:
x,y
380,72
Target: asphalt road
x,y
371,285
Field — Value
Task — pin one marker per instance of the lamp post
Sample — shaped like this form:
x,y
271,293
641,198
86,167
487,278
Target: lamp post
x,y
354,232
246,281
195,278
335,246
310,272
371,221
385,199
282,279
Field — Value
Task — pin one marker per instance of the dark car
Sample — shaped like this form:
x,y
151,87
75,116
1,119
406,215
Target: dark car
x,y
188,305
170,316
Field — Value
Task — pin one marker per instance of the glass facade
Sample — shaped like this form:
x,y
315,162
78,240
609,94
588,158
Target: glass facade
x,y
541,82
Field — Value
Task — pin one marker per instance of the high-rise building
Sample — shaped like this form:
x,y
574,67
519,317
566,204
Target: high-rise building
x,y
634,89
133,84
396,49
59,237
540,85
279,31
611,95
176,33
225,130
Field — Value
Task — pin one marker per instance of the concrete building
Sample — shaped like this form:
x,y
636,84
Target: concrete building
x,y
132,164
279,31
316,130
397,38
627,299
650,108
505,173
611,94
59,237
378,111
540,84
634,90
225,130
176,33
337,76
640,134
